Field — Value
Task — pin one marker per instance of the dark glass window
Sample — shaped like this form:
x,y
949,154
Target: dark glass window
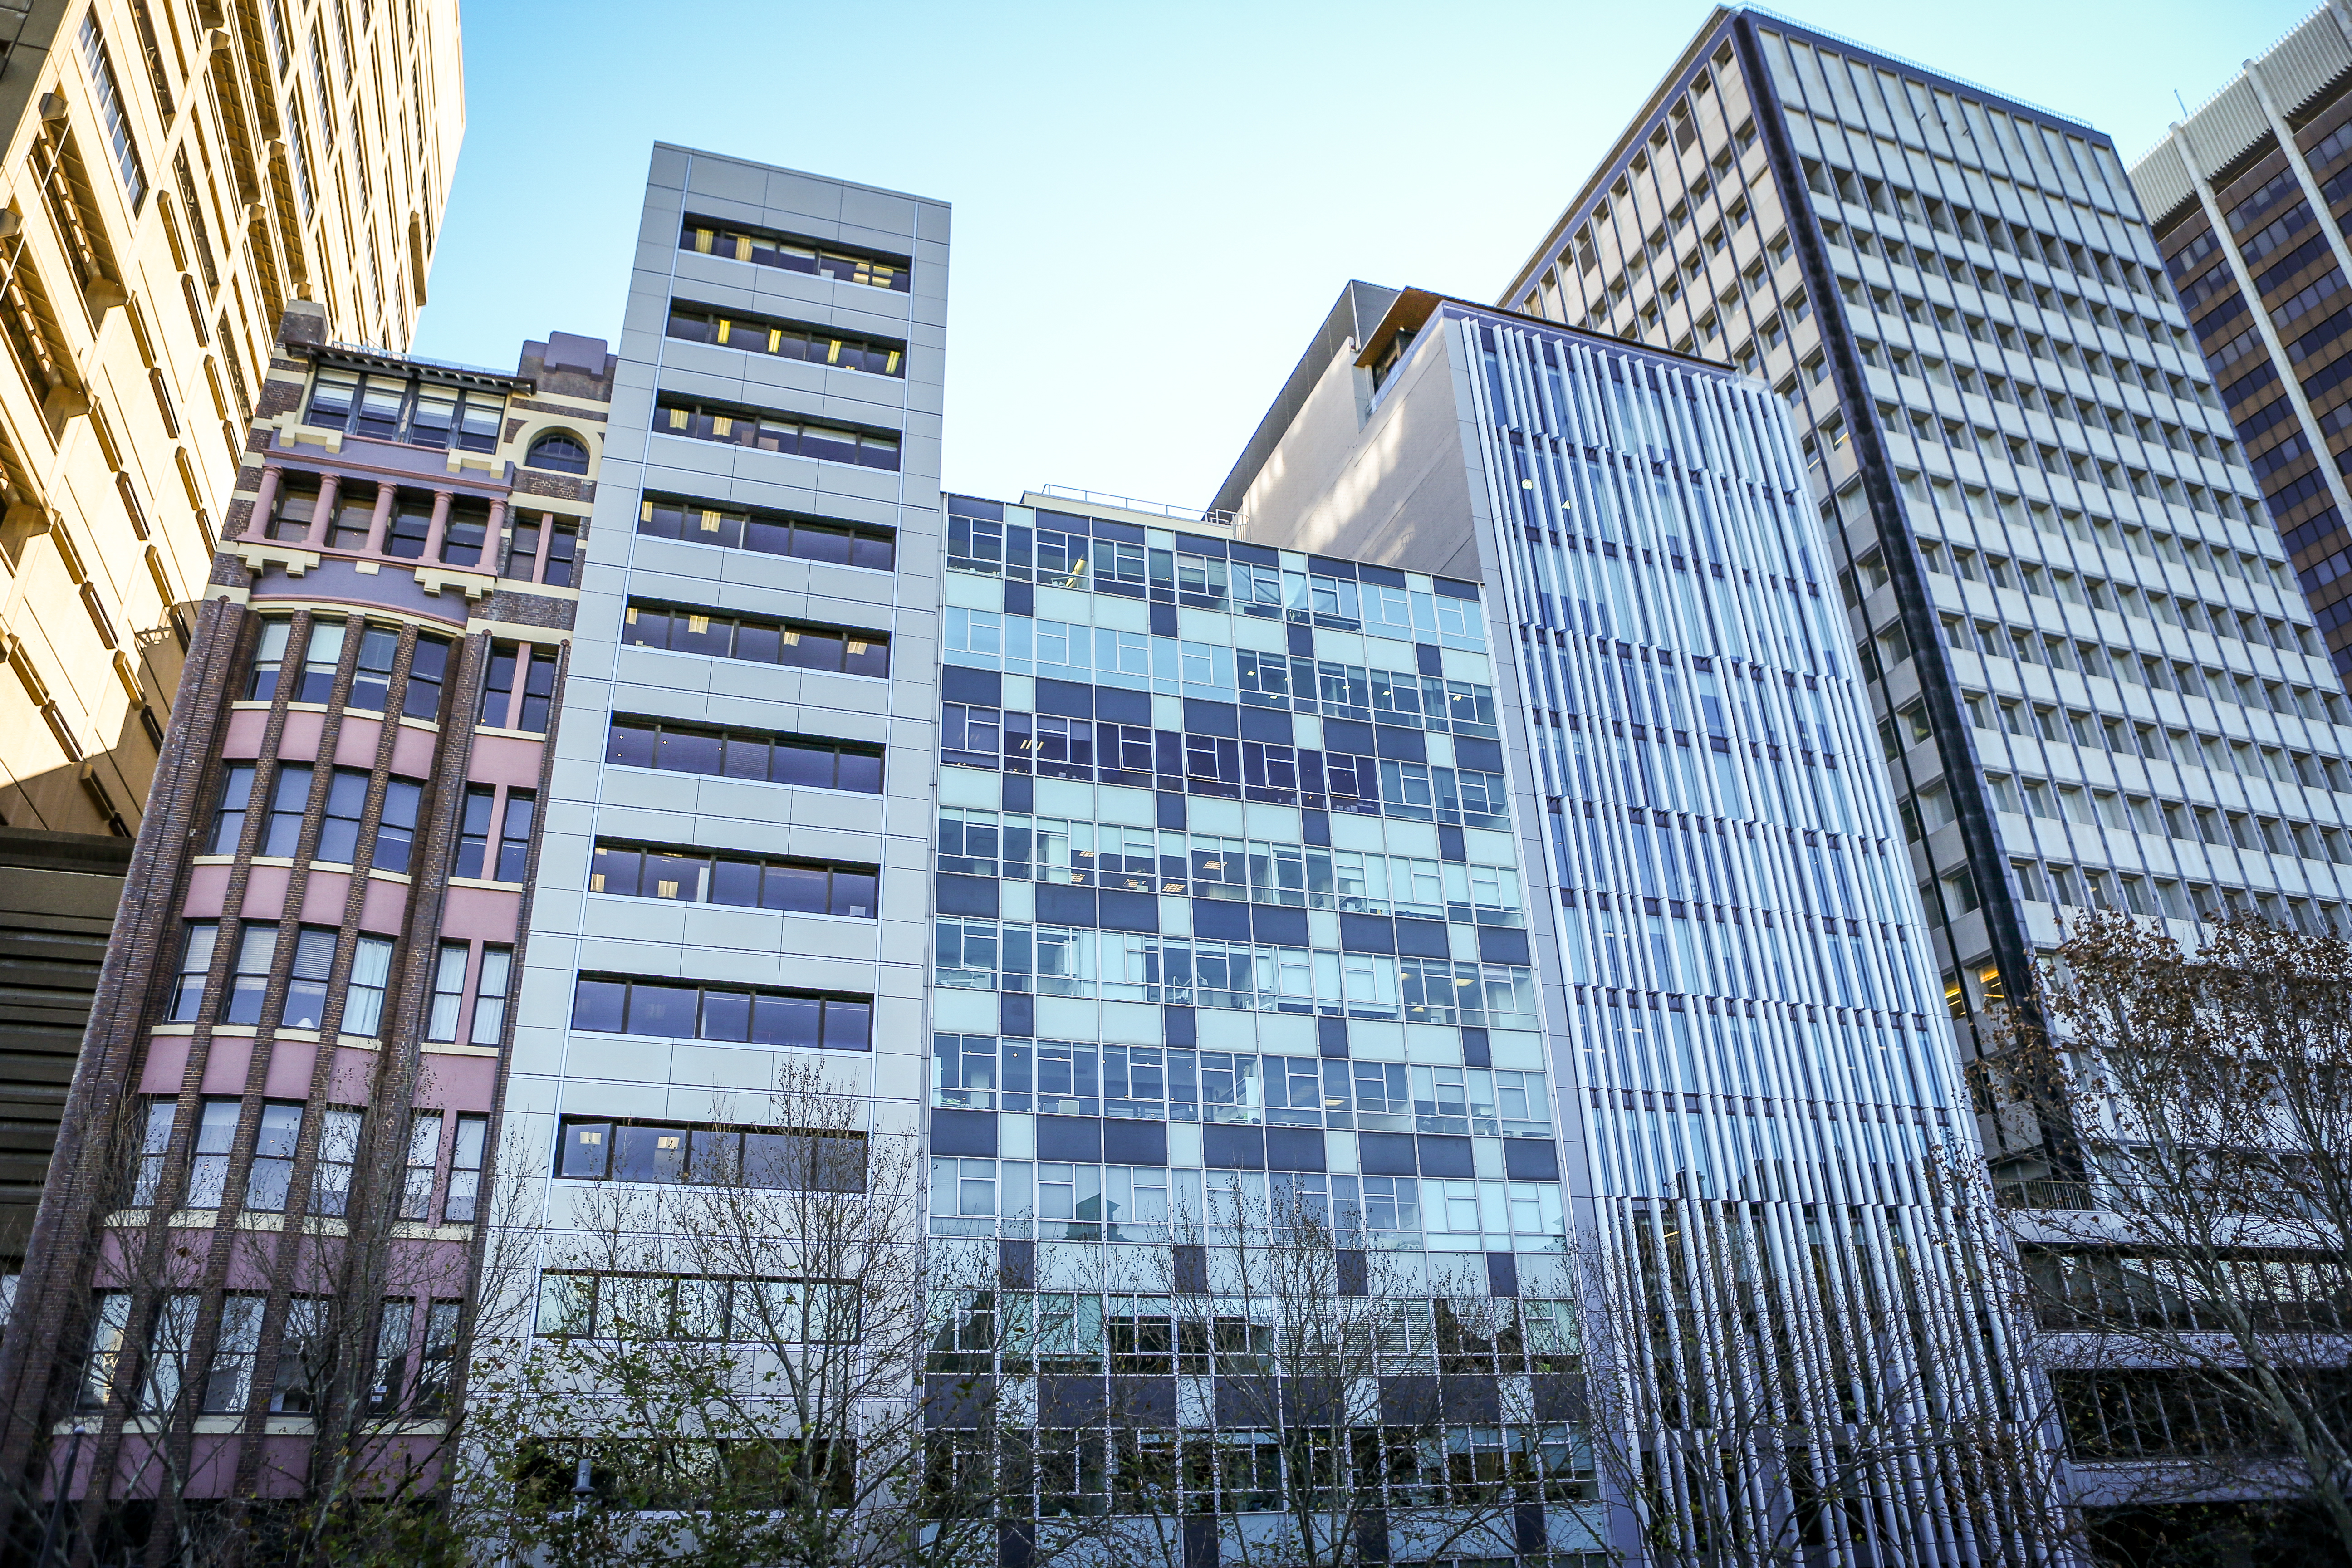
x,y
495,845
372,678
228,820
558,453
686,1010
395,834
562,551
411,526
787,340
298,503
772,533
773,432
306,991
288,794
690,875
387,405
807,760
428,666
825,258
468,528
846,650
339,835
268,658
688,1151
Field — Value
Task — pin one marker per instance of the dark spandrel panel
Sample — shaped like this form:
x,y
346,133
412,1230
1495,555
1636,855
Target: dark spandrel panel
x,y
968,1132
1453,589
1446,1156
1233,1148
1502,944
1294,1149
1531,1159
1077,1138
1126,1142
1387,1153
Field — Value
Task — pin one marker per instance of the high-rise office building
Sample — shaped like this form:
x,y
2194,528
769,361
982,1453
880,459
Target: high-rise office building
x,y
1754,1073
178,174
2247,197
298,1032
2089,666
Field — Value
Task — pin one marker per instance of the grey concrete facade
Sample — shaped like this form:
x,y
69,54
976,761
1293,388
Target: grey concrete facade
x,y
558,1069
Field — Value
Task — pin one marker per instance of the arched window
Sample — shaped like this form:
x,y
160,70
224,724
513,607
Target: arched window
x,y
559,453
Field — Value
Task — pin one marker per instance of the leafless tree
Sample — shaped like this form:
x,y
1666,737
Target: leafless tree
x,y
302,1413
733,1360
2196,1288
1331,1404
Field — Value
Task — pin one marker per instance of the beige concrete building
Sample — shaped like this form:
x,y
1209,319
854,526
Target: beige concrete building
x,y
176,173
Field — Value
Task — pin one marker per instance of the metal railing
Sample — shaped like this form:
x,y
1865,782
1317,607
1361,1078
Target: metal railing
x,y
1215,519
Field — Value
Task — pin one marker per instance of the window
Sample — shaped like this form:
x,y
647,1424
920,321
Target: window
x,y
490,995
339,834
769,431
685,1010
685,1152
494,845
423,1159
807,760
395,833
448,991
154,1143
339,1151
390,1385
795,644
371,679
438,1356
843,264
208,1169
112,121
800,887
428,667
386,405
290,797
306,989
304,1359
771,533
363,997
563,539
268,659
410,527
558,452
228,818
297,502
534,666
789,339
466,1169
251,980
272,1170
228,1379
468,530
319,657
195,962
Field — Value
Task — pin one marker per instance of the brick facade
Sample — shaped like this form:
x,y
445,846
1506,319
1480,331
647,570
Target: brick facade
x,y
394,1236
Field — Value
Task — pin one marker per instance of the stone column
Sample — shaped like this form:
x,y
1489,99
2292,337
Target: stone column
x,y
273,477
329,486
380,522
436,532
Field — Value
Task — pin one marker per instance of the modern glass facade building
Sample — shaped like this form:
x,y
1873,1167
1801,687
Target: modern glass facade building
x,y
1754,1073
2246,199
2089,667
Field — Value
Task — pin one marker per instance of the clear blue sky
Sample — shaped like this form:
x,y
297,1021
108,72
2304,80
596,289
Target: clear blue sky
x,y
1155,206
